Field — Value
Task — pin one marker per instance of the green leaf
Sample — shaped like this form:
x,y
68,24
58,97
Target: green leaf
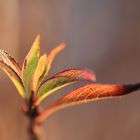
x,y
87,93
39,72
30,64
62,79
13,70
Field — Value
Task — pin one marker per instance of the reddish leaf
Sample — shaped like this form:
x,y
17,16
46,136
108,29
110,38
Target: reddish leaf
x,y
86,94
62,79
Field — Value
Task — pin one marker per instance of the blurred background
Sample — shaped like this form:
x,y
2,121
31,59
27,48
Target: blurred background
x,y
101,35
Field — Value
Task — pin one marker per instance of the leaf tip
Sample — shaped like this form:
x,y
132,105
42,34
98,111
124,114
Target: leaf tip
x,y
62,46
37,42
91,75
38,37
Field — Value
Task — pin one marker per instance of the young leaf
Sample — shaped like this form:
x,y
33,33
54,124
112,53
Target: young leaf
x,y
62,79
30,63
88,93
10,61
39,72
52,55
14,77
13,70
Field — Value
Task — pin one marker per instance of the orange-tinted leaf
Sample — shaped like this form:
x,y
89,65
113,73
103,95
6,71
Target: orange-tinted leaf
x,y
39,72
52,55
10,61
86,94
30,63
62,79
14,77
13,70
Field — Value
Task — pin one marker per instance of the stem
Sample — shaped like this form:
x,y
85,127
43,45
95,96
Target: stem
x,y
35,129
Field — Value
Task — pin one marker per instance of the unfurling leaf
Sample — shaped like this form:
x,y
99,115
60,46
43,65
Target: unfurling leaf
x,y
52,55
10,61
39,72
13,70
30,63
63,79
87,93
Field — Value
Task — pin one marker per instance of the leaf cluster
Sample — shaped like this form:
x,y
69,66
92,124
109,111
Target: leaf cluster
x,y
32,83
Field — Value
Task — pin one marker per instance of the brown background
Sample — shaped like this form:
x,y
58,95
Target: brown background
x,y
101,35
